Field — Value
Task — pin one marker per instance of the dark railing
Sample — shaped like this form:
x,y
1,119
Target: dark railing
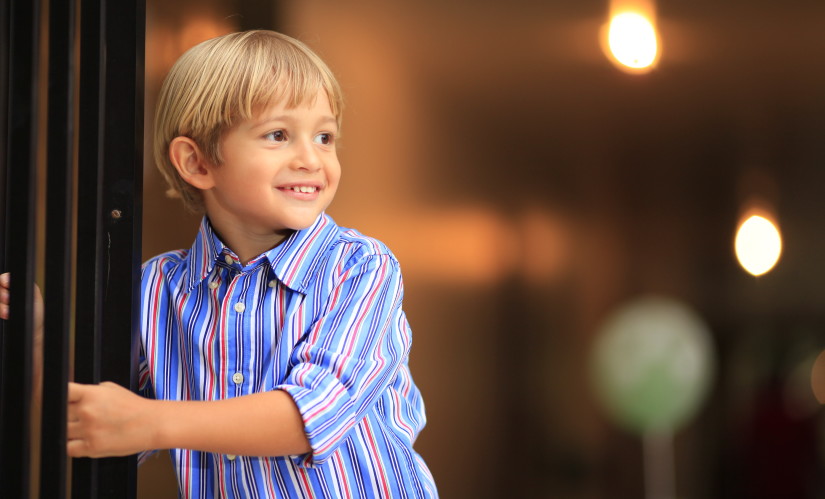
x,y
21,35
59,236
94,105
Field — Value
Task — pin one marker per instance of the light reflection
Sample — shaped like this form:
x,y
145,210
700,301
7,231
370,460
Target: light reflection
x,y
476,244
799,401
758,244
818,378
167,39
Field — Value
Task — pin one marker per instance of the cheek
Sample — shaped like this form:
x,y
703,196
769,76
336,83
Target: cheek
x,y
335,174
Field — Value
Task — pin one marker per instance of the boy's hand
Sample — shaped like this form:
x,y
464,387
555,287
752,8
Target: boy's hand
x,y
4,295
106,420
5,284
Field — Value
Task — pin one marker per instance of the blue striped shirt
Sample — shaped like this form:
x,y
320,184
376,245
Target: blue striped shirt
x,y
319,317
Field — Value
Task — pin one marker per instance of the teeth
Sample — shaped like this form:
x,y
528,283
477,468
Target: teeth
x,y
304,188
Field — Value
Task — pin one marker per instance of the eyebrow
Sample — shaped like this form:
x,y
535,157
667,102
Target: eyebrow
x,y
284,117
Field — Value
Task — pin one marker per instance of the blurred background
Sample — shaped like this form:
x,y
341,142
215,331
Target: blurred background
x,y
534,191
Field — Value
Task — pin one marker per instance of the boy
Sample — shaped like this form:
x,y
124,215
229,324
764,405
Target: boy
x,y
275,350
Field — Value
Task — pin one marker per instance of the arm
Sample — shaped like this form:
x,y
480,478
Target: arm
x,y
340,367
351,354
108,420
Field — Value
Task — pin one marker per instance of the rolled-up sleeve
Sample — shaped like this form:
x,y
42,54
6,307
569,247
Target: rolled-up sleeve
x,y
350,355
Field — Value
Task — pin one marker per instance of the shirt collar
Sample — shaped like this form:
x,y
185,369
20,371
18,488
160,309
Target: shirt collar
x,y
293,261
296,260
206,249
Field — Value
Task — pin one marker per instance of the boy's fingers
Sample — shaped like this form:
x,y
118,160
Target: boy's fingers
x,y
4,280
72,430
77,448
75,392
71,412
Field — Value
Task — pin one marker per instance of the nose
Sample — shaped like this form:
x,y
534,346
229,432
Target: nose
x,y
306,157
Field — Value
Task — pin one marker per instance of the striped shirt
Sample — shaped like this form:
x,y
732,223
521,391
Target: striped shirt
x,y
319,317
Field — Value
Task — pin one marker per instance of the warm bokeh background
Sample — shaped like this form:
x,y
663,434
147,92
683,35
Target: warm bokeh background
x,y
528,188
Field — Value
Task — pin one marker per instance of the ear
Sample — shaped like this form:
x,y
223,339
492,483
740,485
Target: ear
x,y
190,162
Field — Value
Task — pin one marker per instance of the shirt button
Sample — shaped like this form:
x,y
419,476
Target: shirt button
x,y
237,378
213,285
228,259
239,307
273,283
231,457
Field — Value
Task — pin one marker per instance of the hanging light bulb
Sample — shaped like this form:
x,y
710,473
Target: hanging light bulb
x,y
758,244
630,39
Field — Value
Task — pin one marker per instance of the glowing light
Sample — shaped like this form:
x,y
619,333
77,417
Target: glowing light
x,y
758,245
633,41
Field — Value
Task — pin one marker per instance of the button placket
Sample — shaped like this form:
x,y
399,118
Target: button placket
x,y
234,322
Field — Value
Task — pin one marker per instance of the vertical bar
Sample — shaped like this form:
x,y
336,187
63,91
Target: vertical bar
x,y
4,100
59,190
88,258
89,194
124,28
15,441
109,214
122,192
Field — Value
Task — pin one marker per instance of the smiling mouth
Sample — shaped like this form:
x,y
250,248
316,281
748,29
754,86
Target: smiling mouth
x,y
302,188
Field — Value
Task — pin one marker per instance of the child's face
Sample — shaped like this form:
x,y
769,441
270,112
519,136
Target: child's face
x,y
280,169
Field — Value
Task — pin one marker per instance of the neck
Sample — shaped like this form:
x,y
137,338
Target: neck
x,y
246,243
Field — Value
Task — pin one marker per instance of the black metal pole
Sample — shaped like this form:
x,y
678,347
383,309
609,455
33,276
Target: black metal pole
x,y
15,441
59,225
4,101
109,217
89,253
124,23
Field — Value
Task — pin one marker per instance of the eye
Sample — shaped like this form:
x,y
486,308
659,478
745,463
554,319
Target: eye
x,y
324,139
276,136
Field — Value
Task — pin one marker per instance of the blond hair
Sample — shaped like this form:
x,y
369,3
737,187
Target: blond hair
x,y
225,80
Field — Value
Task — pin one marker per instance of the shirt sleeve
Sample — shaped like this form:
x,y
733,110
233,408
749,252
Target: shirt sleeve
x,y
144,386
350,354
144,389
148,288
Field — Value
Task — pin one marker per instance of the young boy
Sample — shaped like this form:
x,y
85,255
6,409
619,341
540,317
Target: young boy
x,y
275,350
